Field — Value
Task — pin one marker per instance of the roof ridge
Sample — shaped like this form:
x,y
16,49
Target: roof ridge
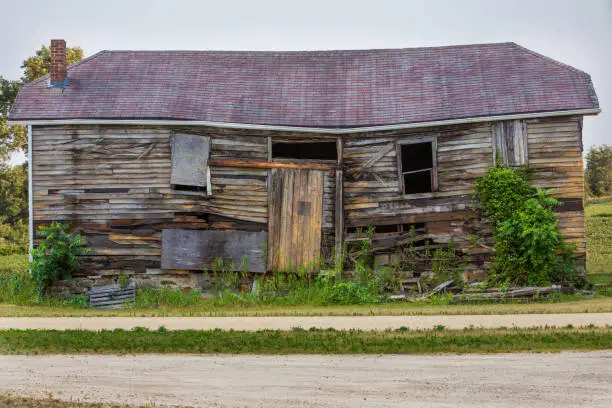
x,y
322,50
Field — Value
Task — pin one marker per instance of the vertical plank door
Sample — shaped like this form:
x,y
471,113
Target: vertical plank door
x,y
294,219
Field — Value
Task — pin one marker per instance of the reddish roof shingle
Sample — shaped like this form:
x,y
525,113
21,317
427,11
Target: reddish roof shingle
x,y
311,89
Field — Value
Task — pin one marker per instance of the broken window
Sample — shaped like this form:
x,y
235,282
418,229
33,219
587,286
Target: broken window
x,y
417,166
510,142
305,150
190,162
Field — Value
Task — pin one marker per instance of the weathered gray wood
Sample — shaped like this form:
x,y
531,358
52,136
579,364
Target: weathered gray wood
x,y
190,160
112,296
197,250
339,216
510,140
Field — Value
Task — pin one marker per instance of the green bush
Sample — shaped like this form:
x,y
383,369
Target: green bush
x,y
529,249
57,256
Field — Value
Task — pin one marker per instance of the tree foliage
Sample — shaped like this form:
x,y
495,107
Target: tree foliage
x,y
38,65
14,138
598,175
57,256
528,249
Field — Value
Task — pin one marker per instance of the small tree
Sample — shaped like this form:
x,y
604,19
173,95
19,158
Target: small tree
x,y
57,256
528,249
598,174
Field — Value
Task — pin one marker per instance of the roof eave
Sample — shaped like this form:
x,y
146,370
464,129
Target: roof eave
x,y
362,129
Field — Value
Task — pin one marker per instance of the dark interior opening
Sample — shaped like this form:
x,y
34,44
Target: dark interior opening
x,y
417,168
309,151
415,183
383,229
183,187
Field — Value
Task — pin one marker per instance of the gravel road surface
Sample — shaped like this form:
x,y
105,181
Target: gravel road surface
x,y
286,323
500,380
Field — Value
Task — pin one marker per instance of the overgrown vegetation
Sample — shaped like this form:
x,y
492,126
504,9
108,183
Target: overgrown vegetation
x,y
528,249
57,256
301,341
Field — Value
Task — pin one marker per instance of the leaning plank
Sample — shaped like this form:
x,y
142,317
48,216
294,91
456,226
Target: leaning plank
x,y
198,249
262,164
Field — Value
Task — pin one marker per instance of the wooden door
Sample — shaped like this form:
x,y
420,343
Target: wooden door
x,y
294,219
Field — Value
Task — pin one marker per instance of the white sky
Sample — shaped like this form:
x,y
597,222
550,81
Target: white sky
x,y
576,32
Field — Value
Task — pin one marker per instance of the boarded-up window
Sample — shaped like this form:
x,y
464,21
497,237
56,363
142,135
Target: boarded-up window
x,y
190,161
510,142
417,166
198,249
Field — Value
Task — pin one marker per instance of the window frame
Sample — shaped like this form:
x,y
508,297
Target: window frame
x,y
434,157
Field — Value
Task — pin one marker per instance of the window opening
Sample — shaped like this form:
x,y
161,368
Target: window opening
x,y
305,150
417,167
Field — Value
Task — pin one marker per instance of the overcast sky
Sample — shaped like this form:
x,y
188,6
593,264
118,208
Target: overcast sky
x,y
577,32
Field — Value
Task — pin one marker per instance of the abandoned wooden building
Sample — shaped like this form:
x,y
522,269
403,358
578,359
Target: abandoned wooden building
x,y
168,160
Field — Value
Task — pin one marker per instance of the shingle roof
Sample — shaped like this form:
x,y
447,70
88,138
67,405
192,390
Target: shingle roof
x,y
311,88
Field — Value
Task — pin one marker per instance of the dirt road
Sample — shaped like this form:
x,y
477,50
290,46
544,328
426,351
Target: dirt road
x,y
508,380
286,323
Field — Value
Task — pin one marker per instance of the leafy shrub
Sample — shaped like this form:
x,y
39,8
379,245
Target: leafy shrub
x,y
349,293
79,301
57,256
529,249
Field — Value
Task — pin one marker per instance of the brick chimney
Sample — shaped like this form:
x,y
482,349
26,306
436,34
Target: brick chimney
x,y
58,63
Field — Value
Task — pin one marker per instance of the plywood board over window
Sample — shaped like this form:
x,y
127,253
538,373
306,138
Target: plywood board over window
x,y
198,249
190,162
510,142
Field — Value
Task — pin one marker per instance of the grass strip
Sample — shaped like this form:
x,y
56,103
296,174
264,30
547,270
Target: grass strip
x,y
300,341
594,305
13,401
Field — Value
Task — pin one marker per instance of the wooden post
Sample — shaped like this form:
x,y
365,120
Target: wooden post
x,y
339,207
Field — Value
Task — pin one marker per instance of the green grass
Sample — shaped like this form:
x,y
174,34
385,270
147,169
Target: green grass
x,y
598,220
13,264
568,305
299,341
14,401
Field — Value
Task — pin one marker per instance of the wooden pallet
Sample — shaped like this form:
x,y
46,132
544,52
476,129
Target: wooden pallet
x,y
112,296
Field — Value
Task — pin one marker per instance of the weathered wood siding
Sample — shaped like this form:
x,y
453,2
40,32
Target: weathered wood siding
x,y
113,183
372,196
555,155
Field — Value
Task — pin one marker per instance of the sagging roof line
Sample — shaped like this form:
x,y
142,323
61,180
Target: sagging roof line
x,y
337,131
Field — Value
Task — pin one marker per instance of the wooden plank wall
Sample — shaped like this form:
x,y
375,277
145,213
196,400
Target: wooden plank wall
x,y
372,197
113,184
555,155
